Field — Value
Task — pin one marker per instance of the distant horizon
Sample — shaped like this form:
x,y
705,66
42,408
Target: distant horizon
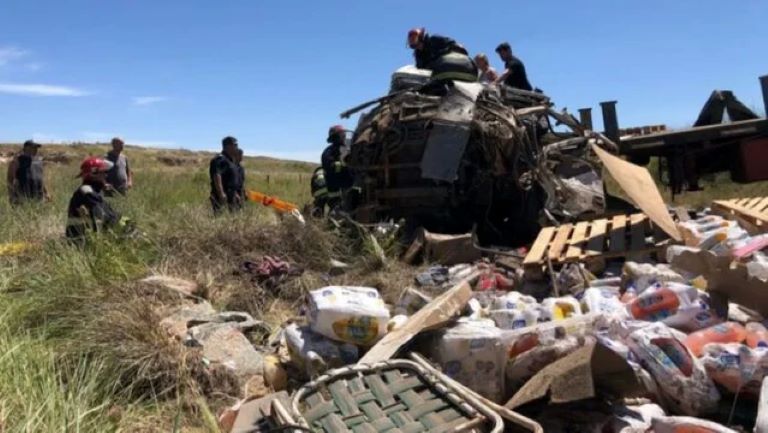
x,y
276,75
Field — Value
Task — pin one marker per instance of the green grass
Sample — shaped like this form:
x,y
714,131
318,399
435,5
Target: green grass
x,y
80,349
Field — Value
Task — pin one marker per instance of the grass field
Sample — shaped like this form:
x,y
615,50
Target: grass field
x,y
80,349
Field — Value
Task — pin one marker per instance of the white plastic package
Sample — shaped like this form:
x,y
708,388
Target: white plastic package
x,y
350,314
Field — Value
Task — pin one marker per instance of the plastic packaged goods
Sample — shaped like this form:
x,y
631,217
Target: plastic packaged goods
x,y
728,332
685,424
683,382
678,305
559,308
517,318
750,246
640,276
758,267
693,232
313,353
757,335
761,423
411,301
355,315
519,341
736,367
472,352
602,301
512,301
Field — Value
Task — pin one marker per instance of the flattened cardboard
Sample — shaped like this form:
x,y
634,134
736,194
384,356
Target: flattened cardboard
x,y
637,182
449,250
730,280
439,311
578,376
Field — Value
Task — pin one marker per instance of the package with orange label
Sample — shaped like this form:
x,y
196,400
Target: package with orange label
x,y
355,315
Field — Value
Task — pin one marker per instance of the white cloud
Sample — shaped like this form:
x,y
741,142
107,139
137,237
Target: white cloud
x,y
9,54
148,100
33,66
40,90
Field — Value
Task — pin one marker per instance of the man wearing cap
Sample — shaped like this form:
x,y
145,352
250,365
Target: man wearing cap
x,y
120,176
338,178
514,75
25,176
87,210
226,186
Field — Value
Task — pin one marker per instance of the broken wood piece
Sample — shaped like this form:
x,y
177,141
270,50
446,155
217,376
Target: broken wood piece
x,y
638,184
441,310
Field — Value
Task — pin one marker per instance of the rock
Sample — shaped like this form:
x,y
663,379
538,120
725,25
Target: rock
x,y
242,321
256,387
183,287
176,322
224,344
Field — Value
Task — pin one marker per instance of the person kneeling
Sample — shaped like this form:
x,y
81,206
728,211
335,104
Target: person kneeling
x,y
88,211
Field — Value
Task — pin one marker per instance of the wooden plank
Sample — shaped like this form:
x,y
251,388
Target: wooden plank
x,y
577,240
536,253
752,204
617,235
558,244
762,206
596,243
440,310
742,201
638,223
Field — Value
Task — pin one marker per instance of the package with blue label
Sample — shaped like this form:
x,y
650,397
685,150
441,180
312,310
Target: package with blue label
x,y
473,354
355,315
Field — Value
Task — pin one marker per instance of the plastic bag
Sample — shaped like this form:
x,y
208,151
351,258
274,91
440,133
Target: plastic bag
x,y
351,314
737,367
682,380
685,424
313,353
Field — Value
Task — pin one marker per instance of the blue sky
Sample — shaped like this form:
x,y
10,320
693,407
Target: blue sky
x,y
276,74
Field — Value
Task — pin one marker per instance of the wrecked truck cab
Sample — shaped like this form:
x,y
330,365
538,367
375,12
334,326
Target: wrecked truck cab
x,y
482,157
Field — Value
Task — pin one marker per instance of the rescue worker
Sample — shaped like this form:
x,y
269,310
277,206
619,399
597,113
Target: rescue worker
x,y
120,176
319,193
514,75
447,59
488,75
87,210
338,177
25,176
225,178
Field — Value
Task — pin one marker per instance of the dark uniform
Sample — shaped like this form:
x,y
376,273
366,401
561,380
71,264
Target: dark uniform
x,y
229,170
338,177
319,192
517,78
29,179
446,59
88,211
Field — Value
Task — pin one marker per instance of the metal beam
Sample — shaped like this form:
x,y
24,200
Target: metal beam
x,y
610,121
764,85
585,117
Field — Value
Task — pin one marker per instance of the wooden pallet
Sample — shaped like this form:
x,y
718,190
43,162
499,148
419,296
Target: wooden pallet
x,y
631,236
753,211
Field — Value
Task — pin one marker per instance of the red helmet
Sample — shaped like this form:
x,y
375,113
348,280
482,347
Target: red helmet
x,y
415,36
334,130
93,165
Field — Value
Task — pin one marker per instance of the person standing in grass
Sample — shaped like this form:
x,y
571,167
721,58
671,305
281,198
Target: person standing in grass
x,y
87,210
226,187
25,176
120,176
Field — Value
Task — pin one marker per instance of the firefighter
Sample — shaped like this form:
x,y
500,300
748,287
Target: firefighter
x,y
447,59
338,178
88,211
319,193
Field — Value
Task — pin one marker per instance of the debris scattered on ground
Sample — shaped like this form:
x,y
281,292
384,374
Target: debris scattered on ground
x,y
182,286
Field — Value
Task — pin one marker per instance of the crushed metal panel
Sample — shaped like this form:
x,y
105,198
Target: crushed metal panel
x,y
444,150
449,136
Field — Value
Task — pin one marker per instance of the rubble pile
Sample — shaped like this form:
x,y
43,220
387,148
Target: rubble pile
x,y
643,347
